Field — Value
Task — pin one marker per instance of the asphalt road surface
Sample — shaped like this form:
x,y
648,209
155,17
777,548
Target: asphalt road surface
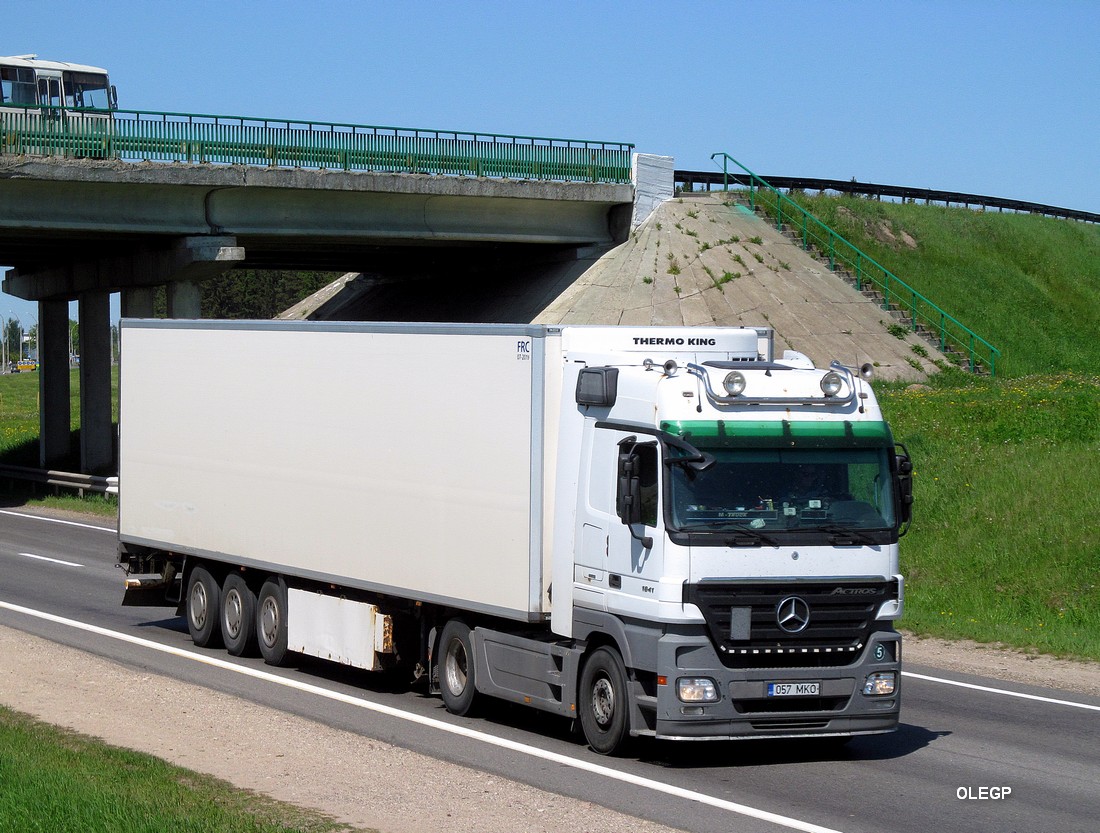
x,y
972,754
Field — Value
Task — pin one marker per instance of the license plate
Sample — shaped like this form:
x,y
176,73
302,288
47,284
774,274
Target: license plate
x,y
794,689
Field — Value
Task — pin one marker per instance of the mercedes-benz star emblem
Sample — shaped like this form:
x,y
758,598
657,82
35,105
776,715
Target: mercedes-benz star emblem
x,y
792,614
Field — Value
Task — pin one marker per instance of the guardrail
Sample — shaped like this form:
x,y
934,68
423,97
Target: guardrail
x,y
894,292
690,179
62,479
191,138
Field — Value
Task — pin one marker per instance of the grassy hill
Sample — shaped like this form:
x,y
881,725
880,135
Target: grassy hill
x,y
1005,543
1030,285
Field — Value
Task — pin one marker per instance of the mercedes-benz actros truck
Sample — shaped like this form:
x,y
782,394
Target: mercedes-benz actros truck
x,y
662,532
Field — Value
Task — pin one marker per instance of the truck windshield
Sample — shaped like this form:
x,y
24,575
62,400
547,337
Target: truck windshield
x,y
784,489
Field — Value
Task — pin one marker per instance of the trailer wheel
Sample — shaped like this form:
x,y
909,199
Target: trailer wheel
x,y
203,597
238,616
456,668
271,621
604,702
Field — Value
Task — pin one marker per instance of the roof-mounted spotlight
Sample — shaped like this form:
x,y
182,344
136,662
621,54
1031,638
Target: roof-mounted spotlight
x,y
734,383
831,383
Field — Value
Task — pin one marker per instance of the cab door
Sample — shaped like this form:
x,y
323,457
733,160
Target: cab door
x,y
595,517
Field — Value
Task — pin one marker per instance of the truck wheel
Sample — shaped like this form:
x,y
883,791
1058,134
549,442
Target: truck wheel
x,y
238,616
456,668
271,621
203,598
604,702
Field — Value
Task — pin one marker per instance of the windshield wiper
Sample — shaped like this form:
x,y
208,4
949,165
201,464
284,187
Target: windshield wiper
x,y
743,535
841,534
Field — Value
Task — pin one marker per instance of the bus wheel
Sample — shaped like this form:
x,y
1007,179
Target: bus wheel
x,y
456,668
203,598
604,702
271,621
238,616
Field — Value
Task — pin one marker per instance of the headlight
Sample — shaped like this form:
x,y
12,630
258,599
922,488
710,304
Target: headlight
x,y
734,383
880,684
697,690
831,383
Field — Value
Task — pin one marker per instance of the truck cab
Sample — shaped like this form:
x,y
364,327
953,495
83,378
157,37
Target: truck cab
x,y
736,526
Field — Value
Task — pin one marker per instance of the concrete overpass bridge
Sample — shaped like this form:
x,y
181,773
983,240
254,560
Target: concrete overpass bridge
x,y
140,200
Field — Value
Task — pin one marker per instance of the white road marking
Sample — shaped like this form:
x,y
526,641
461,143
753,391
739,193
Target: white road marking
x,y
1001,691
472,734
56,521
51,560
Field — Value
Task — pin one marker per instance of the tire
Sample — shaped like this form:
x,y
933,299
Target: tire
x,y
203,608
456,668
271,634
238,616
604,702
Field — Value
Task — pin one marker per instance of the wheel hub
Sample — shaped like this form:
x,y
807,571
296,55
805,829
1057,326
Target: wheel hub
x,y
455,669
603,701
234,614
269,622
199,605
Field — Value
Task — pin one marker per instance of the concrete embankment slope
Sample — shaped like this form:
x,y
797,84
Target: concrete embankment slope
x,y
699,261
695,261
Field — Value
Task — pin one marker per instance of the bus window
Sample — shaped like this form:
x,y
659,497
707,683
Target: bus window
x,y
86,89
17,86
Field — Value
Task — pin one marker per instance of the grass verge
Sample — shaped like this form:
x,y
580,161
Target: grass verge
x,y
1005,542
55,780
19,431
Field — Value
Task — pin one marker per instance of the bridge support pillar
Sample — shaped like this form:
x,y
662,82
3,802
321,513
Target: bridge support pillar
x,y
137,302
97,452
184,299
54,412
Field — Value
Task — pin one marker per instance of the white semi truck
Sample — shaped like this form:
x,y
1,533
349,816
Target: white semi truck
x,y
658,532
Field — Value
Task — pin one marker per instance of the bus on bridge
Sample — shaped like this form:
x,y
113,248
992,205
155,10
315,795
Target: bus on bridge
x,y
41,101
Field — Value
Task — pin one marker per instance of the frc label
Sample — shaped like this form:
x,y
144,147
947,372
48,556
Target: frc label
x,y
523,350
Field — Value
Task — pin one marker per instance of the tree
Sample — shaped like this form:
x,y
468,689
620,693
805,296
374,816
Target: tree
x,y
12,336
258,293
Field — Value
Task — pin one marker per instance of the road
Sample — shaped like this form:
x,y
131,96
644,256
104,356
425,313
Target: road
x,y
982,756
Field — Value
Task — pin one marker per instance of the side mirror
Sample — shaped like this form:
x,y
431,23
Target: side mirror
x,y
628,495
903,481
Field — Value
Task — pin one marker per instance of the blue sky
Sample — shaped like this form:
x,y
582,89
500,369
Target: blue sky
x,y
999,98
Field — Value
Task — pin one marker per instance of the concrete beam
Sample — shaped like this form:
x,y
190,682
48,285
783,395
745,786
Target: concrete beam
x,y
193,258
59,209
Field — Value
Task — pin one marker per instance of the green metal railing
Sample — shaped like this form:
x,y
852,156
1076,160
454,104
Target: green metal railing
x,y
868,272
181,137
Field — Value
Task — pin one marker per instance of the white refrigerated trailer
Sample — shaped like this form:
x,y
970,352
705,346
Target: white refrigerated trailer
x,y
656,531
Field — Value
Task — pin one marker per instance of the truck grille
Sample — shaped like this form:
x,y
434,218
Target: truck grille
x,y
824,624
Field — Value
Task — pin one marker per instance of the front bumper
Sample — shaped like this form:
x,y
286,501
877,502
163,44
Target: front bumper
x,y
744,709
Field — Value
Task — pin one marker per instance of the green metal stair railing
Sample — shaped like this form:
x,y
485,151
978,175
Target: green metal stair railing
x,y
868,273
189,138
